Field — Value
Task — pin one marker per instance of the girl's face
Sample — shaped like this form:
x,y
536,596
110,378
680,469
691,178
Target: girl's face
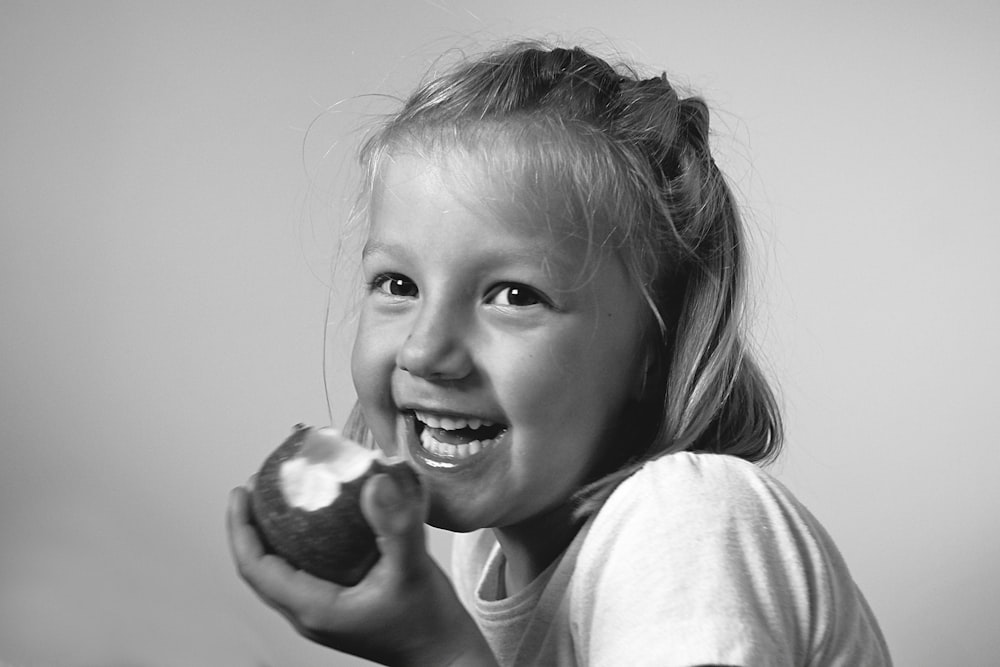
x,y
482,357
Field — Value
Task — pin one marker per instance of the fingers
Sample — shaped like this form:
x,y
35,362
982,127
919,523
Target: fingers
x,y
396,513
280,585
243,541
396,593
386,506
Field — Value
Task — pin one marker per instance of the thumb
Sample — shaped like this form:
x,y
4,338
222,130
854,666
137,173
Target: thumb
x,y
395,509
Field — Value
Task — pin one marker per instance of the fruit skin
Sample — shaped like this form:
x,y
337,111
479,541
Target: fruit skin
x,y
333,542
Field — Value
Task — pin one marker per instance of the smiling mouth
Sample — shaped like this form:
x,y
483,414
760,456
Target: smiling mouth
x,y
456,437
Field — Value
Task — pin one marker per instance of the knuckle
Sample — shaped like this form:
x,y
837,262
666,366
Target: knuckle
x,y
249,576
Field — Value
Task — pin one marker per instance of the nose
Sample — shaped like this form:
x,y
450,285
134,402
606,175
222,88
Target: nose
x,y
436,347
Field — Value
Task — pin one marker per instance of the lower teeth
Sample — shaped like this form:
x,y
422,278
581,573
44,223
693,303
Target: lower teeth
x,y
447,450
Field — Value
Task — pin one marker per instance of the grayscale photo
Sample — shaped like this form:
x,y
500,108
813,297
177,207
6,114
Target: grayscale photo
x,y
499,334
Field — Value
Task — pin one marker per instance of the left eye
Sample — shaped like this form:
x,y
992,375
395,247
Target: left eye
x,y
520,296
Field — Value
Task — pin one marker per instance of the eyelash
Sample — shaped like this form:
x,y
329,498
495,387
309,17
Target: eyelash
x,y
531,293
377,283
380,284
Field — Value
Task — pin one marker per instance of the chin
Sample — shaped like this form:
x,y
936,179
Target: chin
x,y
450,513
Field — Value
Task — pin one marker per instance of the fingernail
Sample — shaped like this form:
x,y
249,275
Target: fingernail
x,y
387,493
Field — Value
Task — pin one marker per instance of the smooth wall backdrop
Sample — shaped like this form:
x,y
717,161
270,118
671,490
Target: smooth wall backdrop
x,y
172,180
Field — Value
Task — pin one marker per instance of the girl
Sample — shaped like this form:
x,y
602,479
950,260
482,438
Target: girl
x,y
550,335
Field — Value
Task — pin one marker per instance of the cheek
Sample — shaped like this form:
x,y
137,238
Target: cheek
x,y
579,384
373,354
361,362
372,363
566,388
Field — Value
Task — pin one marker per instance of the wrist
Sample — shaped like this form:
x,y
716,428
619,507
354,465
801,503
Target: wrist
x,y
466,647
476,655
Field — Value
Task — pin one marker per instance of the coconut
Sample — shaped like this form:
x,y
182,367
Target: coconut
x,y
306,503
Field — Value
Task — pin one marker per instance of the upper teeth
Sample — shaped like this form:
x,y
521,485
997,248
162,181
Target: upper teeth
x,y
452,423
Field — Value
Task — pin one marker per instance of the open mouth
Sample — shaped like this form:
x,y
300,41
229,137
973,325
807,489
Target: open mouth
x,y
456,437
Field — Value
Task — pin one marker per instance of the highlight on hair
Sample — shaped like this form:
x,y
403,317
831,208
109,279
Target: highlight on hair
x,y
631,163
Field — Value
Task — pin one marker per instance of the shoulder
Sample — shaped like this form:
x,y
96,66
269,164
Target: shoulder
x,y
689,505
715,557
714,507
700,493
695,476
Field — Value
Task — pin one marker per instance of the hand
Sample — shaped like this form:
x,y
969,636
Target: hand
x,y
404,612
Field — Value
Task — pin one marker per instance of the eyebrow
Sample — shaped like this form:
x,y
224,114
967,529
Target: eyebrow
x,y
381,248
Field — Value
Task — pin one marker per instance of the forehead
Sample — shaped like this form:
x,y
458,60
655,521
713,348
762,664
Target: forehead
x,y
413,191
521,168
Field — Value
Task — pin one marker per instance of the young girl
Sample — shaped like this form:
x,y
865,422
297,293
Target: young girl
x,y
550,335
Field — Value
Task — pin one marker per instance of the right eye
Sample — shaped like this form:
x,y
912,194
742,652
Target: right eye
x,y
394,284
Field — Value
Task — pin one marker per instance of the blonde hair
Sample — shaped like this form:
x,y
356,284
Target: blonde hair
x,y
630,160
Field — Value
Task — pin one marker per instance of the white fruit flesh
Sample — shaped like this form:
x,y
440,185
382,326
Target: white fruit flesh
x,y
312,479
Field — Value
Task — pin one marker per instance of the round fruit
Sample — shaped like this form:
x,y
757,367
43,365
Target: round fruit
x,y
306,503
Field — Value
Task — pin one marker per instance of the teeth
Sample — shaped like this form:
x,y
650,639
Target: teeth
x,y
446,450
452,423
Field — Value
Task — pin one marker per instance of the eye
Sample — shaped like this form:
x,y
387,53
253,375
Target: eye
x,y
515,295
394,284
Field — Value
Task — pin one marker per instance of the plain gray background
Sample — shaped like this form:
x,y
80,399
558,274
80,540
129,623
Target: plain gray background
x,y
168,228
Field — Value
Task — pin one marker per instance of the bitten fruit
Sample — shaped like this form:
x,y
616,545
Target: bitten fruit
x,y
306,503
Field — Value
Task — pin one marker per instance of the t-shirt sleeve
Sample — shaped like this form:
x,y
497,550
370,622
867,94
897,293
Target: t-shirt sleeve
x,y
706,560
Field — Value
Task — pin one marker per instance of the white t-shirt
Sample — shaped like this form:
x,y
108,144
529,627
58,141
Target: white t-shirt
x,y
697,559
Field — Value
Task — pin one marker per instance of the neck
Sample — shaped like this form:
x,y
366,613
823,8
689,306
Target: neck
x,y
531,546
